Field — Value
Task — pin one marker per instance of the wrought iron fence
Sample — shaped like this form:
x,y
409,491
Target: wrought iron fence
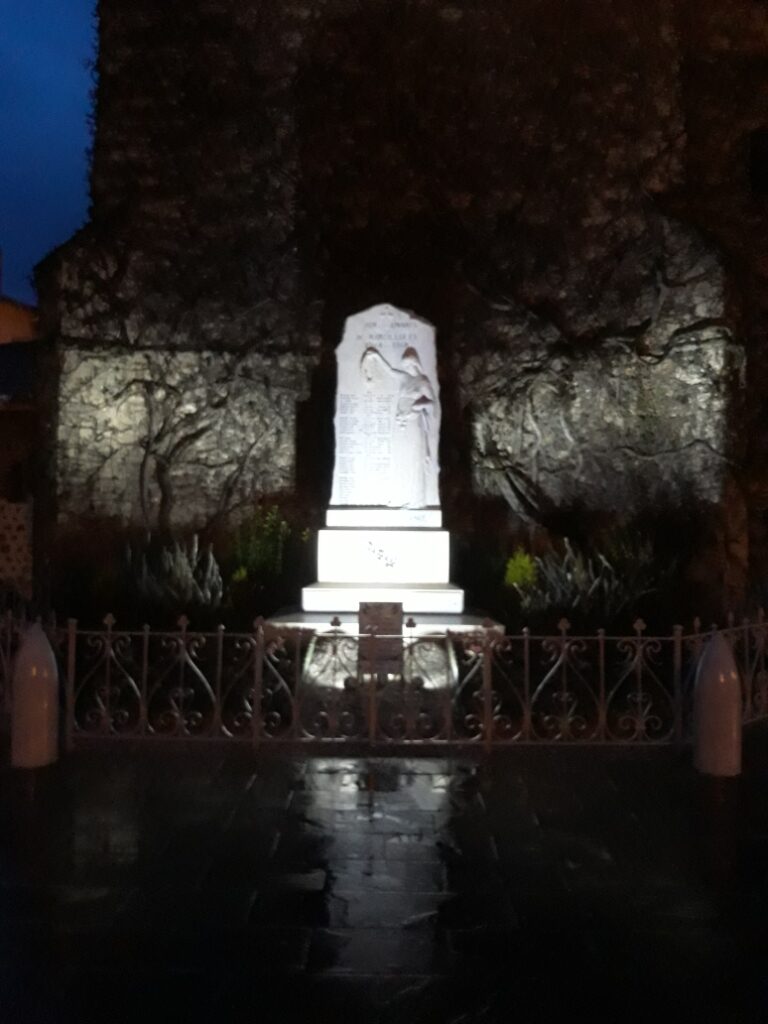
x,y
276,685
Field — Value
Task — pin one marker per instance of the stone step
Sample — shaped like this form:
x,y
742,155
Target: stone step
x,y
424,623
383,557
415,597
384,518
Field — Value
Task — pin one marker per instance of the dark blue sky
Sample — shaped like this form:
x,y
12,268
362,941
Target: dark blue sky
x,y
44,105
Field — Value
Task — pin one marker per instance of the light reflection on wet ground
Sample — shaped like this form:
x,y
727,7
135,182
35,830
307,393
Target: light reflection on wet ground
x,y
206,884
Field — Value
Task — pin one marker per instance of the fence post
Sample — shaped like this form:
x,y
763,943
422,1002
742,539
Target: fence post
x,y
697,641
297,696
106,721
217,711
373,723
69,686
748,669
602,711
487,690
677,683
144,699
527,710
759,697
258,670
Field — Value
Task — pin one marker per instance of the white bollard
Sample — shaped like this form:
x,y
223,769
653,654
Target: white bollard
x,y
717,715
35,702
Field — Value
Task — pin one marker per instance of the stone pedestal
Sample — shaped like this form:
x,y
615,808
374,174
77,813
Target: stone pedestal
x,y
384,540
380,554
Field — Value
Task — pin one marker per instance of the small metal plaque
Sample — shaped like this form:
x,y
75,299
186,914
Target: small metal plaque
x,y
382,622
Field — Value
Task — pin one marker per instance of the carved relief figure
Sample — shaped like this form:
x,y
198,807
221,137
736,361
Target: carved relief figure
x,y
415,468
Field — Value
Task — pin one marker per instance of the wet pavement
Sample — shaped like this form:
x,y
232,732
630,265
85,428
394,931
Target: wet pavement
x,y
211,884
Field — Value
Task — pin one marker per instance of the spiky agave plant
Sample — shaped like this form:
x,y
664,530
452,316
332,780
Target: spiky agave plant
x,y
178,575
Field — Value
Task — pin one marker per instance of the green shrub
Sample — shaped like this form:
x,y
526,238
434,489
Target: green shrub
x,y
259,546
520,572
572,580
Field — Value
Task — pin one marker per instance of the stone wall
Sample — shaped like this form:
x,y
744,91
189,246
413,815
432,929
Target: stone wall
x,y
169,439
183,334
191,241
561,188
635,421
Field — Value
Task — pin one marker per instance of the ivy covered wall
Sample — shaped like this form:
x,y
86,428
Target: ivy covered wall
x,y
563,189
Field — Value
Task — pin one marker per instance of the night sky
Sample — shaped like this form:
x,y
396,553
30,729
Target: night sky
x,y
44,103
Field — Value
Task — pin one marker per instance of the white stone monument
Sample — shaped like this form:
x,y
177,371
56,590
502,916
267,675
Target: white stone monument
x,y
384,540
387,413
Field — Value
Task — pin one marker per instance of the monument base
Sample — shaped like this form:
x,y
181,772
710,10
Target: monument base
x,y
382,518
389,557
430,598
424,624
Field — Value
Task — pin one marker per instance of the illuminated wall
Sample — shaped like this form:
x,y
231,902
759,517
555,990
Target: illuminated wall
x,y
640,421
557,187
175,439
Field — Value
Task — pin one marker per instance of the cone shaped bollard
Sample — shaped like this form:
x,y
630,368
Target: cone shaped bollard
x,y
717,711
35,706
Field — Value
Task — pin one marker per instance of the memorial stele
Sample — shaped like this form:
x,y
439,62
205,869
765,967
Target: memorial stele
x,y
384,540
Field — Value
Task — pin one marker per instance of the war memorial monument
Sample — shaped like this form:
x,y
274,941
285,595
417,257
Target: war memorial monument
x,y
384,552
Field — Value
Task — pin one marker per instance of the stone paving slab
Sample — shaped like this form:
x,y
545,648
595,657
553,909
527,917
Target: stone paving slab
x,y
212,884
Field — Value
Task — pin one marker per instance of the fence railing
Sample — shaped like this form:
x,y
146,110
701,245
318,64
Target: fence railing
x,y
275,685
